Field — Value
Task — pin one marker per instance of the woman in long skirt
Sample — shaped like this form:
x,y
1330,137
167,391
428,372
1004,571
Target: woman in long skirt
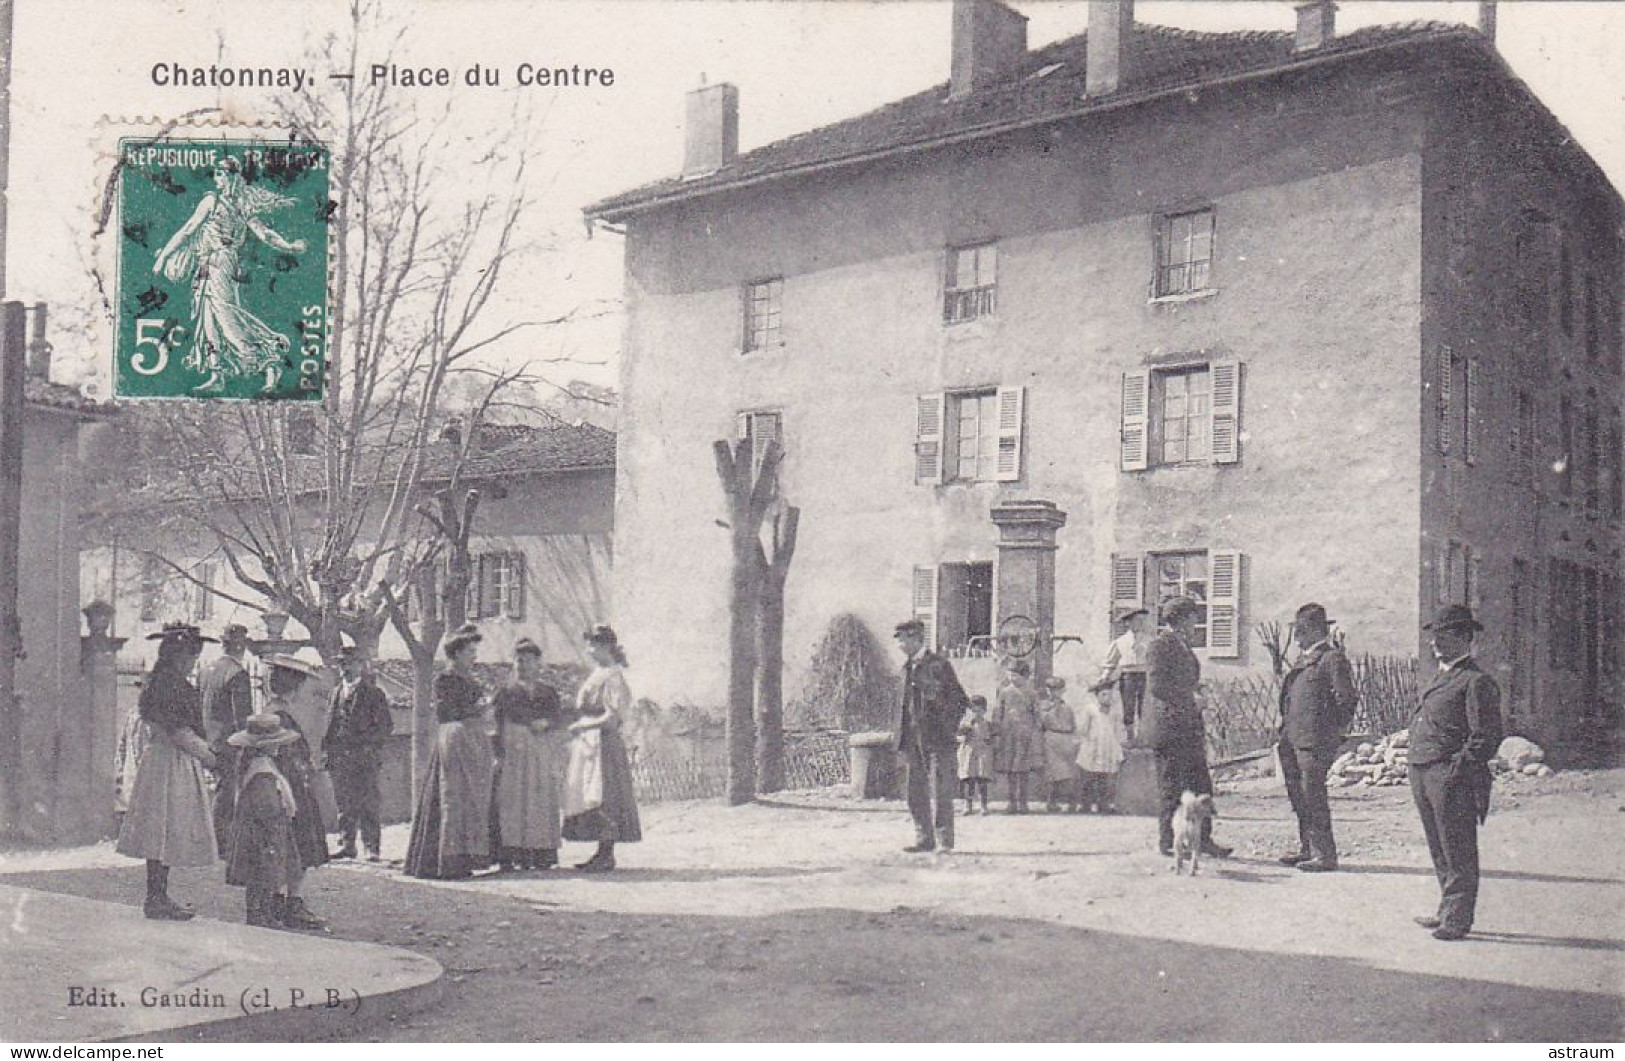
x,y
599,799
168,822
531,749
451,821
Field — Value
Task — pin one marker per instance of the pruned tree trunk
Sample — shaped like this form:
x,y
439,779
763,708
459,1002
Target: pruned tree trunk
x,y
749,487
774,563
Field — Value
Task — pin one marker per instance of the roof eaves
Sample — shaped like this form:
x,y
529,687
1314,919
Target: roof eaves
x,y
629,204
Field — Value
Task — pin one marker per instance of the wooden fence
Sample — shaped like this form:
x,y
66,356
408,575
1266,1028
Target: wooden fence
x,y
814,759
1243,714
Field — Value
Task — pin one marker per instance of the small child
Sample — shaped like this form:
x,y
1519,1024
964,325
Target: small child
x,y
264,857
1100,752
975,754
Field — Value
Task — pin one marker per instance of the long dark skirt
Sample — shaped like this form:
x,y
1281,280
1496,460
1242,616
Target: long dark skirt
x,y
264,852
616,819
451,821
308,831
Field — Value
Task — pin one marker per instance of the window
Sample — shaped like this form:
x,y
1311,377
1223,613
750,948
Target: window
x,y
1457,575
759,428
1213,578
962,606
1530,282
1565,594
763,308
1184,253
1184,415
969,436
970,288
1609,627
1458,396
1565,289
499,585
1517,637
203,595
152,587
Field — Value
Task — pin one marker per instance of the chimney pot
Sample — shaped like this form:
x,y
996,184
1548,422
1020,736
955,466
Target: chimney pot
x,y
1486,19
39,347
989,42
1317,25
1108,53
711,132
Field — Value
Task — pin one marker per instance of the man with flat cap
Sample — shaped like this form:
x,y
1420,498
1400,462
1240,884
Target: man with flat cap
x,y
1124,665
228,701
1455,733
933,702
359,723
1317,705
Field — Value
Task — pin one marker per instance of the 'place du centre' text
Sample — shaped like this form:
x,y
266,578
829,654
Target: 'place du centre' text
x,y
386,75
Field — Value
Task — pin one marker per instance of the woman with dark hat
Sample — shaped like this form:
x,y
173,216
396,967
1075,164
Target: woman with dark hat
x,y
169,823
264,855
530,747
285,677
599,800
451,822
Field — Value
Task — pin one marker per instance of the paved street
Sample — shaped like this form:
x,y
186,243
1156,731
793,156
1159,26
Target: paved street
x,y
804,920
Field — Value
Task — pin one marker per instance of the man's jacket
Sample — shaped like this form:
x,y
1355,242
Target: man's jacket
x,y
933,703
1459,722
1171,716
1318,699
359,720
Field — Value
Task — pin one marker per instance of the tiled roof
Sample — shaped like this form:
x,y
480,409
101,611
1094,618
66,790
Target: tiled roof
x,y
44,394
509,450
1049,87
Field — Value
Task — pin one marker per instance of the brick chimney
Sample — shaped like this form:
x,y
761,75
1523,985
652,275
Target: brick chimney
x,y
1317,25
989,43
1486,19
711,132
39,347
1107,44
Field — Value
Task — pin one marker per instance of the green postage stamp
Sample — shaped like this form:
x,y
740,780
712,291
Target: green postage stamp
x,y
222,270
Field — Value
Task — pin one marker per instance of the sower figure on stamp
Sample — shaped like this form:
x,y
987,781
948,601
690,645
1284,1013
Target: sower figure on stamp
x,y
228,701
1454,735
359,723
933,703
1317,704
1172,722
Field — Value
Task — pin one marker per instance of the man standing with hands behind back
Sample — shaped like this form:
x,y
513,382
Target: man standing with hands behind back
x,y
1455,733
1317,704
933,702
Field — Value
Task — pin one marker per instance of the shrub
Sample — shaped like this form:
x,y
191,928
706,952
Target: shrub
x,y
850,684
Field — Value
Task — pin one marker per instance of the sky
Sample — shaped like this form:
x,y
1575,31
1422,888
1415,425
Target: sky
x,y
82,77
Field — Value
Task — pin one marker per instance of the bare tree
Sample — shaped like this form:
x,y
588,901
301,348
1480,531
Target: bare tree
x,y
773,562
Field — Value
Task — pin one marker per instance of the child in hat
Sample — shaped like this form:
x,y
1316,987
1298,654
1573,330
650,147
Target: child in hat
x,y
264,856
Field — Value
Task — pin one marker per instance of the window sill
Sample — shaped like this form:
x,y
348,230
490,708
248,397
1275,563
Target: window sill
x,y
756,351
1183,296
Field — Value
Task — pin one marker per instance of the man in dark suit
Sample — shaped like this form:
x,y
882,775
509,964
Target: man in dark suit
x,y
357,727
1455,733
1171,724
1317,704
228,701
933,702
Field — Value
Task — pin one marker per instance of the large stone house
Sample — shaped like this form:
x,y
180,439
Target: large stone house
x,y
1259,317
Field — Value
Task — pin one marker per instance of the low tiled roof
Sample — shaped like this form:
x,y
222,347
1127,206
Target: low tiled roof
x,y
1049,87
44,394
509,450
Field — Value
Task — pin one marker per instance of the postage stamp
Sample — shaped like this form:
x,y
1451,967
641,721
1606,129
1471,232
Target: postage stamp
x,y
222,278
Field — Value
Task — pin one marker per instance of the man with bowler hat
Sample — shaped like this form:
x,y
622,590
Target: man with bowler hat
x,y
933,702
359,723
1317,704
1455,733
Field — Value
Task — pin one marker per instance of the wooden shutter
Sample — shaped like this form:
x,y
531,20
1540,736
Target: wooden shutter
x,y
1128,581
925,602
514,591
1226,427
1134,444
1469,426
1012,413
742,427
492,567
928,431
1473,586
1224,604
1442,398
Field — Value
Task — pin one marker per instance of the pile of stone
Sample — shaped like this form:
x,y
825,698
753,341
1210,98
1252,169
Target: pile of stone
x,y
1516,755
1383,763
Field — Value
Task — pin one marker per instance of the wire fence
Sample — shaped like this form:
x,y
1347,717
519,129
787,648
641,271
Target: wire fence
x,y
816,759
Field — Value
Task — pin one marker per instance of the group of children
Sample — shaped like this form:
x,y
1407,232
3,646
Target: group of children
x,y
1039,738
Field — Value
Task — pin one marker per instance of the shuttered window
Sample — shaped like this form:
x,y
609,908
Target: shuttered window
x,y
1224,604
759,427
928,431
1443,386
1189,414
924,594
1214,579
1127,583
499,585
971,436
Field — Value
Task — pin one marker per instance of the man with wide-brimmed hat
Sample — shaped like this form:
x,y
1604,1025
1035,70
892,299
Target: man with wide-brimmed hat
x,y
1455,733
169,822
933,703
1317,704
228,700
358,724
1124,665
263,856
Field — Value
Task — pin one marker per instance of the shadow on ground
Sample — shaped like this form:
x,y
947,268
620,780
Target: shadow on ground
x,y
519,970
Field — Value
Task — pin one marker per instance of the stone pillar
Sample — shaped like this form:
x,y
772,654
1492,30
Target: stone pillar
x,y
98,669
1026,574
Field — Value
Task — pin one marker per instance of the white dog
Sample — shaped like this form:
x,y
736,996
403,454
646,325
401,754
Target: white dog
x,y
1189,817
